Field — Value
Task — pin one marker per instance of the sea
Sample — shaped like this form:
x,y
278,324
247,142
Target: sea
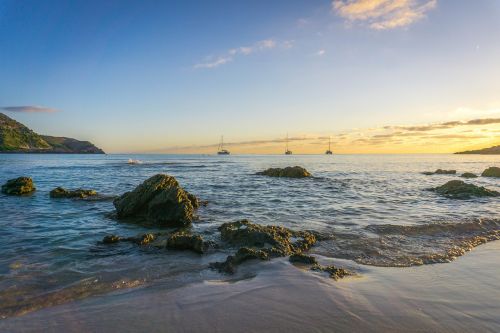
x,y
374,210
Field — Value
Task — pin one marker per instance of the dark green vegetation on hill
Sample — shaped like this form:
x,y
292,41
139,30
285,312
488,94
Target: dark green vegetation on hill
x,y
17,138
486,151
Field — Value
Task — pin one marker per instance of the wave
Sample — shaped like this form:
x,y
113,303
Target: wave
x,y
391,245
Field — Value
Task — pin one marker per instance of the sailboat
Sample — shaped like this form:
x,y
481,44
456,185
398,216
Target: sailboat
x,y
221,150
329,152
287,152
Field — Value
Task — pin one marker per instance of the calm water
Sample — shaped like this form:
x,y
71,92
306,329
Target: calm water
x,y
374,209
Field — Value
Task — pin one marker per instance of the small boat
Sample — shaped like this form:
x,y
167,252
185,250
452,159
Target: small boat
x,y
287,151
329,152
221,150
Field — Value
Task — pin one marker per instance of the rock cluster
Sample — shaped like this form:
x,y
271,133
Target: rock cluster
x,y
19,186
60,192
440,172
160,200
457,189
289,172
468,175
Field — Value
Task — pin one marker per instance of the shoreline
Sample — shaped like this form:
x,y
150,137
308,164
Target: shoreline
x,y
458,296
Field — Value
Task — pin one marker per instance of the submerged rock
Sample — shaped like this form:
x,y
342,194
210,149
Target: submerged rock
x,y
262,242
303,259
110,239
161,200
457,189
290,172
468,175
186,241
243,254
491,172
139,240
19,186
440,172
60,192
335,273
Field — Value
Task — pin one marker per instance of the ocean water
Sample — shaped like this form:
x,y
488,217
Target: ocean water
x,y
373,209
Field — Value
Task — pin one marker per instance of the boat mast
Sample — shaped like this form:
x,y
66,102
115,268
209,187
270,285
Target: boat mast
x,y
286,142
221,142
329,142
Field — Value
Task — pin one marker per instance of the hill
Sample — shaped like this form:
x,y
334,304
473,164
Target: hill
x,y
17,138
486,151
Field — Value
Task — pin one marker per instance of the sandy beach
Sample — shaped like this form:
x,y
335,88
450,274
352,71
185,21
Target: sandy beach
x,y
462,296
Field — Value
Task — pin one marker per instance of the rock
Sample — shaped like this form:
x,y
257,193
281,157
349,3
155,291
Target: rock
x,y
457,189
261,241
160,200
491,172
335,273
440,172
468,175
186,241
19,186
60,192
290,172
110,239
303,259
243,254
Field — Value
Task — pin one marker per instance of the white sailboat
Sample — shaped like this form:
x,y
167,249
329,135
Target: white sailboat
x,y
329,151
287,151
221,150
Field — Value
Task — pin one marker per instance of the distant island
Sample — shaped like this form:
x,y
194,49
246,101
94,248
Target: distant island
x,y
486,151
17,138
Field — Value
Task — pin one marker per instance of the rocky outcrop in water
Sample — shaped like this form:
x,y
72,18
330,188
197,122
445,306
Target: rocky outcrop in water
x,y
491,172
261,242
334,272
159,200
183,240
468,175
19,186
288,172
60,192
440,172
457,189
302,259
485,151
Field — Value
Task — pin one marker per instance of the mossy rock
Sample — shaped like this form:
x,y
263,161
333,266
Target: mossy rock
x,y
60,192
19,186
457,189
491,172
440,172
243,254
288,172
334,272
159,200
261,241
468,175
302,258
186,241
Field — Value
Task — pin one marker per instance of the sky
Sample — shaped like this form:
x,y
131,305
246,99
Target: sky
x,y
377,76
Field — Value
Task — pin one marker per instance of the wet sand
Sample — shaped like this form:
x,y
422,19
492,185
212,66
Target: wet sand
x,y
462,296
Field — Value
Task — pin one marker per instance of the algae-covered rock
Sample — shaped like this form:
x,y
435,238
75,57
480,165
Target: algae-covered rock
x,y
290,172
468,175
303,259
243,254
457,189
335,273
186,241
60,192
491,172
111,239
440,172
261,241
19,186
161,200
277,240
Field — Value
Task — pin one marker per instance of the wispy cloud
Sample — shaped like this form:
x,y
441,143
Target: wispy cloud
x,y
321,53
28,109
383,14
231,54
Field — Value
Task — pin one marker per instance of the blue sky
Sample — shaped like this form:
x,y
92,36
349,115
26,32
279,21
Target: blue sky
x,y
137,76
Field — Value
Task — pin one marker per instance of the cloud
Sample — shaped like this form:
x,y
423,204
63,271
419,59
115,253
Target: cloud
x,y
28,109
383,14
320,53
231,54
